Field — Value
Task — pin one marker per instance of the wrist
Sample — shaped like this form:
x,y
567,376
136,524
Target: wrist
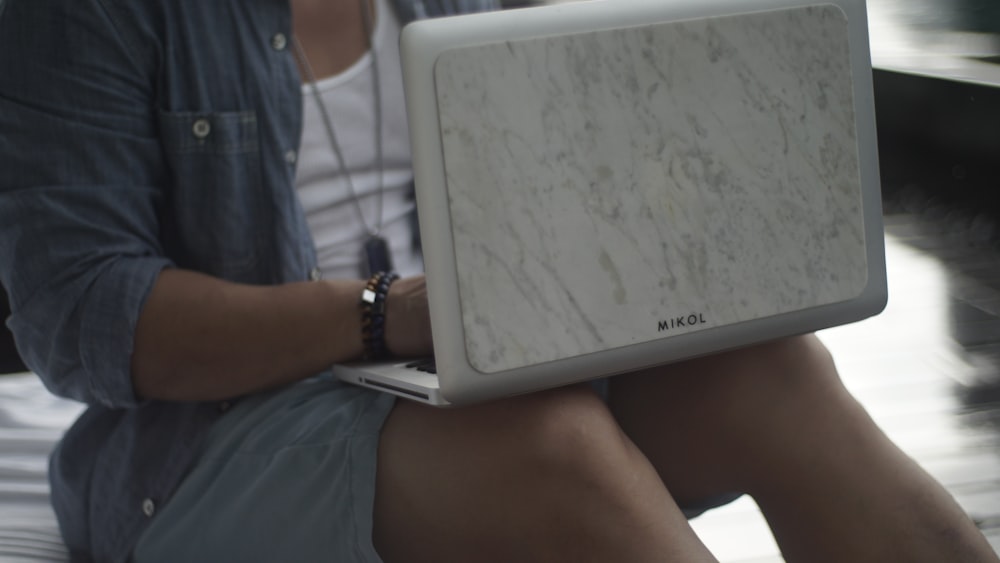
x,y
408,330
373,315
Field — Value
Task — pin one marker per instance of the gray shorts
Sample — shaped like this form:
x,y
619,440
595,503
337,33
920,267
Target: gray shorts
x,y
285,476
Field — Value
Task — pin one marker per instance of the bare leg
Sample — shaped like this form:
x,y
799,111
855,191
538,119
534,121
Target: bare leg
x,y
776,422
545,477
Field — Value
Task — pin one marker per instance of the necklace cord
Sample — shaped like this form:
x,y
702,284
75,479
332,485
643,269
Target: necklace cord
x,y
331,132
369,26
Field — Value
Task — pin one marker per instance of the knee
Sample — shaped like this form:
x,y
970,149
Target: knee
x,y
566,422
568,431
800,366
805,350
791,369
790,390
545,435
772,384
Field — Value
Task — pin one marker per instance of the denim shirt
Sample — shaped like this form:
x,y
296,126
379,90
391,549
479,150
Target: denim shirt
x,y
138,135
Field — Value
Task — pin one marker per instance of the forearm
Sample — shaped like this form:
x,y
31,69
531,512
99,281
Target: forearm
x,y
200,338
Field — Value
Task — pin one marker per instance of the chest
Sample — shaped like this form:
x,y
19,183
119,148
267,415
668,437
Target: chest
x,y
333,34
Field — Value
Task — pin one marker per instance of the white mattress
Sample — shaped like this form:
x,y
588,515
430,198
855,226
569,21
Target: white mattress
x,y
31,422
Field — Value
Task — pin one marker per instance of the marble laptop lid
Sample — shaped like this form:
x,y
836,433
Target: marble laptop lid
x,y
641,178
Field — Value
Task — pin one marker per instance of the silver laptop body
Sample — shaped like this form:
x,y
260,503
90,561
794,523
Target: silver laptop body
x,y
610,185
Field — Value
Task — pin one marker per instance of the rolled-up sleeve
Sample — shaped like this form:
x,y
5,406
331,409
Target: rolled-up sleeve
x,y
81,192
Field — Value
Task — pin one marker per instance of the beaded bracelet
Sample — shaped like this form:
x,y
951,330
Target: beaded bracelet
x,y
373,314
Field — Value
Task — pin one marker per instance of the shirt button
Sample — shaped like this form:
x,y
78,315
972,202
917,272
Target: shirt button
x,y
201,128
224,406
291,156
279,42
315,274
148,507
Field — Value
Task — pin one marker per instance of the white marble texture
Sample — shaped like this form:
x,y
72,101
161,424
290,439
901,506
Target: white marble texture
x,y
601,183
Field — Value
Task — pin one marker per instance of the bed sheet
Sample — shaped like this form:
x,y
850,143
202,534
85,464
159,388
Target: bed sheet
x,y
31,422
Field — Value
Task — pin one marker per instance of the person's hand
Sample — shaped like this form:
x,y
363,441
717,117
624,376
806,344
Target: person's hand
x,y
407,318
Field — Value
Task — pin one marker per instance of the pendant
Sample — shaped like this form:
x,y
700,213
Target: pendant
x,y
376,257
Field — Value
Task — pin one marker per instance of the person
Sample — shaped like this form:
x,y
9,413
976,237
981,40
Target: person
x,y
170,192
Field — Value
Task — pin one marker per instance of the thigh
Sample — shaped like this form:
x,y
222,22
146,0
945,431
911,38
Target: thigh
x,y
707,424
466,474
541,477
285,476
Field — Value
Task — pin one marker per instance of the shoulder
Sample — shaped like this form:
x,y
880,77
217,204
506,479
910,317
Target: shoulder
x,y
137,28
52,36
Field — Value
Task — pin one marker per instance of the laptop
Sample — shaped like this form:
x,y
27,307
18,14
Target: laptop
x,y
611,185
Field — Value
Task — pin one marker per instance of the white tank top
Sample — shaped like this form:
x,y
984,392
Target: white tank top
x,y
322,187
